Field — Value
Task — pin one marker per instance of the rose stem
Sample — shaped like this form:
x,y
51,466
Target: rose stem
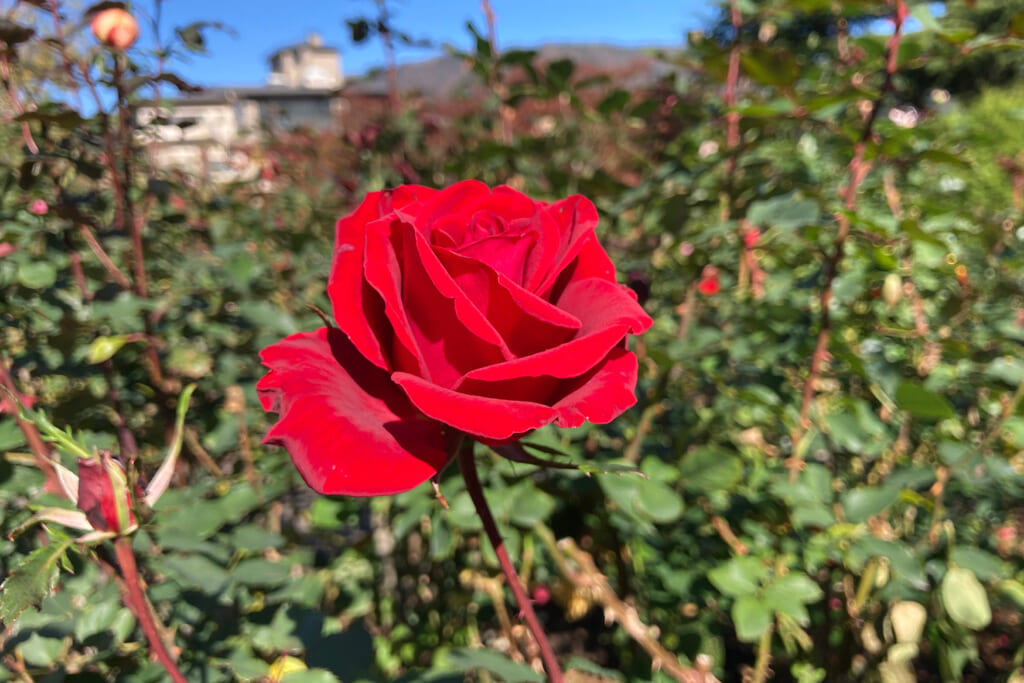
x,y
137,603
468,466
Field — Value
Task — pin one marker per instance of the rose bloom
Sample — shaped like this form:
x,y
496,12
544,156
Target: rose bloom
x,y
465,311
38,207
116,28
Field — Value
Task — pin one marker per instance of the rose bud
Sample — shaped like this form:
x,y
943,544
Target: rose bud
x,y
751,238
115,28
103,495
709,284
38,207
466,311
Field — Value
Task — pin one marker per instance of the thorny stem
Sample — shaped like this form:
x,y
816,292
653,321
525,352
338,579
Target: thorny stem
x,y
135,599
12,94
40,451
468,466
858,169
104,258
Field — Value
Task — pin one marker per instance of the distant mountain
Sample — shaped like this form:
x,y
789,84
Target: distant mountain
x,y
446,77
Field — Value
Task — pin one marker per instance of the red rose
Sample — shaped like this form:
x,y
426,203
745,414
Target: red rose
x,y
466,310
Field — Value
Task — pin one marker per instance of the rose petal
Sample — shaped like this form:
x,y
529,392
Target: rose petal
x,y
601,304
577,219
600,396
490,418
527,323
604,394
448,201
427,309
357,308
609,312
348,429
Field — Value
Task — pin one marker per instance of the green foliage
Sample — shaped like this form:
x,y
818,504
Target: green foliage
x,y
861,519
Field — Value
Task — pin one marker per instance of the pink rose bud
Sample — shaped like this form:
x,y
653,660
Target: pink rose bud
x,y
103,494
6,249
38,207
115,28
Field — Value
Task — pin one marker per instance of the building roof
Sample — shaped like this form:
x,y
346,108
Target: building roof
x,y
312,44
227,95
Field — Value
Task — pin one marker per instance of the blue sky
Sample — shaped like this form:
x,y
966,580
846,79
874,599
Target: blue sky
x,y
260,26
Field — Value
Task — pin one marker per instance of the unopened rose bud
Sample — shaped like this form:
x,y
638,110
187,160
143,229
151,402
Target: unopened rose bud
x,y
751,237
38,207
709,284
115,28
103,495
892,289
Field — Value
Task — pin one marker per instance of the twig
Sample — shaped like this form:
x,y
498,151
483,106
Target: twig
x,y
104,258
41,452
204,458
588,576
764,656
727,534
12,94
732,117
857,169
135,599
468,466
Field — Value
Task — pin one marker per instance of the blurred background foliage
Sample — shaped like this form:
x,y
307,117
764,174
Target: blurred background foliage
x,y
861,520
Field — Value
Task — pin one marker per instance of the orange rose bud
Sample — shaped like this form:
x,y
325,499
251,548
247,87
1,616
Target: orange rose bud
x,y
115,28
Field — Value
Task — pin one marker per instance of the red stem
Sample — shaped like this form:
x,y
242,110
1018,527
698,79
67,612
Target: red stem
x,y
40,451
732,135
135,600
468,466
858,169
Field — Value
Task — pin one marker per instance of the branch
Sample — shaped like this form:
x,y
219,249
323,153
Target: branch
x,y
41,452
588,577
857,169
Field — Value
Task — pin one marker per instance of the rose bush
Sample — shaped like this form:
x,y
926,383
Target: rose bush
x,y
462,311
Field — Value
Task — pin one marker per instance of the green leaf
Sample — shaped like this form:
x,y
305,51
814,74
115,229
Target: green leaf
x,y
740,576
530,506
40,651
96,619
466,659
705,470
985,566
785,213
258,571
965,599
751,616
255,539
867,501
37,274
32,580
922,403
793,587
648,500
